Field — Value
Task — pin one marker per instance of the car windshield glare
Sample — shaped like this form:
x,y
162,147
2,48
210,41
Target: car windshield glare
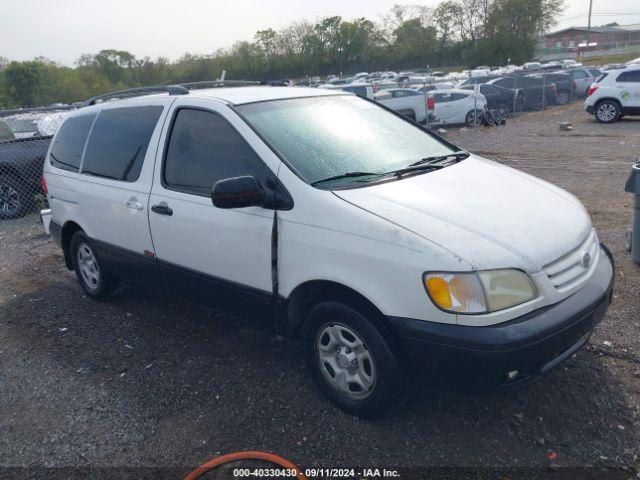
x,y
325,137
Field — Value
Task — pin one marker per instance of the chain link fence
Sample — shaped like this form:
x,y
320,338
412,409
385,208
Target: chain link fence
x,y
24,139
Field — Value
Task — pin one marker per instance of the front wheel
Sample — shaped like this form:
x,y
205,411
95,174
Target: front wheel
x,y
608,111
351,360
563,97
504,110
92,275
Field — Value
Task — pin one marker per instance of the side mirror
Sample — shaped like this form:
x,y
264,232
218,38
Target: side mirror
x,y
238,192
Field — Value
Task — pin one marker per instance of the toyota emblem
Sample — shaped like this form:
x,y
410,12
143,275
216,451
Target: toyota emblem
x,y
586,260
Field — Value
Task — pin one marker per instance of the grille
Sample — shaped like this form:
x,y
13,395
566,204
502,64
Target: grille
x,y
570,269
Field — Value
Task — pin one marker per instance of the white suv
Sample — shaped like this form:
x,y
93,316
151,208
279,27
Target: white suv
x,y
614,94
335,220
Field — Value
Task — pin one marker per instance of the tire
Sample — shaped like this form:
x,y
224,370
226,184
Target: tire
x,y
536,103
373,380
97,282
15,199
487,118
504,110
563,97
474,121
608,111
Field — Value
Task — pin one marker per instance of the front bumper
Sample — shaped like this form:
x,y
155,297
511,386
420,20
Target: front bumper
x,y
482,357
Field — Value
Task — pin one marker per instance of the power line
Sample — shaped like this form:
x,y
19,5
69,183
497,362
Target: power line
x,y
599,14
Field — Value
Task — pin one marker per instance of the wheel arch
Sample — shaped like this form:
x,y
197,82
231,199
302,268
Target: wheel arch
x,y
309,293
610,99
68,230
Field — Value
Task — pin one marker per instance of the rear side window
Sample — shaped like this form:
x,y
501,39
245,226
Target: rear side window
x,y
119,142
632,76
204,148
66,151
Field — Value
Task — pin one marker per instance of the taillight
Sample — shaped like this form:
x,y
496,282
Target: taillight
x,y
431,102
554,89
44,185
592,90
376,88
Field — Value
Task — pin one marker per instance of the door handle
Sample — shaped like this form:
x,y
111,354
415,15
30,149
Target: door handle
x,y
133,205
162,209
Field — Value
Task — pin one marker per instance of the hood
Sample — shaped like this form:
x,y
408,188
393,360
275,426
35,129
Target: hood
x,y
488,214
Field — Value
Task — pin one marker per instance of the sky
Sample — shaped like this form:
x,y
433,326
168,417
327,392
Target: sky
x,y
62,30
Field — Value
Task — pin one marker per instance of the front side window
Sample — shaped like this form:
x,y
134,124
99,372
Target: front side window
x,y
68,145
324,137
204,148
118,142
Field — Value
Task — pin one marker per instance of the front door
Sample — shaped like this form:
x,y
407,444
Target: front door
x,y
216,256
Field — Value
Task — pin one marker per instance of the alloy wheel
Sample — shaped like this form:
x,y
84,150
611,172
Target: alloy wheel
x,y
607,112
9,200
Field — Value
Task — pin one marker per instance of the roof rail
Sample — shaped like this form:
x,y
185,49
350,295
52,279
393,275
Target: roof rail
x,y
218,83
136,92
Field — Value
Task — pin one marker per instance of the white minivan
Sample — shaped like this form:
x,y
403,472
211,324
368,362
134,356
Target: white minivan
x,y
386,249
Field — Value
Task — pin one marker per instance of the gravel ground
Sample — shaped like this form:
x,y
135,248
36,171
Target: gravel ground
x,y
150,381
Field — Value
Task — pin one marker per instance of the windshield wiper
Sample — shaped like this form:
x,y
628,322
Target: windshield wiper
x,y
346,175
460,155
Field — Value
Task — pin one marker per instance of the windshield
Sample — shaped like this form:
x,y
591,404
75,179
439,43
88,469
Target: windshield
x,y
22,125
325,137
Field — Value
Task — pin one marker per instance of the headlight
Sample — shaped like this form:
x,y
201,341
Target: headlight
x,y
479,292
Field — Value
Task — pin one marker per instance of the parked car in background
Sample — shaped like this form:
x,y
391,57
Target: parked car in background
x,y
21,162
584,77
407,101
364,90
531,66
498,98
436,86
456,107
477,80
566,86
635,61
533,92
567,63
615,94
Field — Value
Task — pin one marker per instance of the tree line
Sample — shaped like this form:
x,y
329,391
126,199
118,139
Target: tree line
x,y
454,33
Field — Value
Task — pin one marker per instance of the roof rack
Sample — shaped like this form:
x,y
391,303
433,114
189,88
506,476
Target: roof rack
x,y
136,92
218,83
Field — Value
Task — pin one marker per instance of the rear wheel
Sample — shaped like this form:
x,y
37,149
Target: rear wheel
x,y
608,111
14,198
536,103
353,362
503,108
94,278
563,97
474,118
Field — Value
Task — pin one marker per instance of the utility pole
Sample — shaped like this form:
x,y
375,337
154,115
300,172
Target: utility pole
x,y
589,24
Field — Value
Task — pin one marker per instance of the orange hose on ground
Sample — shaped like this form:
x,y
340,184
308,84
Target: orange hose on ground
x,y
249,455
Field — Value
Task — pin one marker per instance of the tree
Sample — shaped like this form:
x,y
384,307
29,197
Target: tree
x,y
21,80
